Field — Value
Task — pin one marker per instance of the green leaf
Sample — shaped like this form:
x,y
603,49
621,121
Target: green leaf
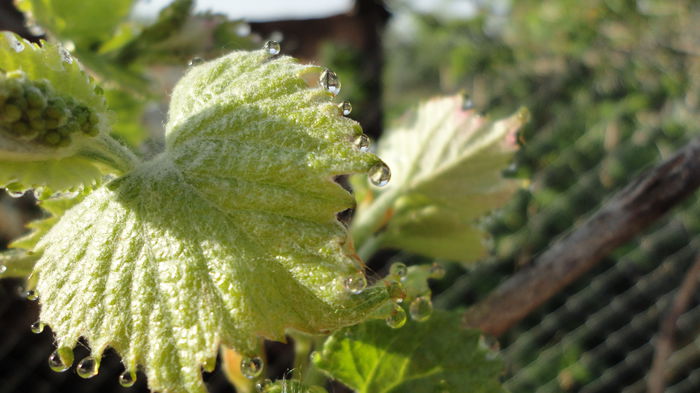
x,y
421,357
446,166
228,236
53,125
84,22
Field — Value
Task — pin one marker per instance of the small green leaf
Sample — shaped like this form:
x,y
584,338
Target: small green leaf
x,y
84,22
228,236
53,125
421,357
446,166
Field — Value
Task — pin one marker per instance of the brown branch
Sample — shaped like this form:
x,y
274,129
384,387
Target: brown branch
x,y
629,212
656,383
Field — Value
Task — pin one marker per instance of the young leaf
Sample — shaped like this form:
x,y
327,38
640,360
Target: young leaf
x,y
446,165
84,22
421,357
53,127
229,235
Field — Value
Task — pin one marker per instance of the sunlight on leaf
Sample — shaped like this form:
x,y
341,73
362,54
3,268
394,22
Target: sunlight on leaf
x,y
228,236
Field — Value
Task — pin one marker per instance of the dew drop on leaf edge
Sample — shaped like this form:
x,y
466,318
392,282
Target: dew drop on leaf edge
x,y
57,363
397,318
261,387
127,379
355,283
272,47
396,291
362,143
87,368
38,327
379,174
330,82
421,308
31,295
345,108
195,61
252,368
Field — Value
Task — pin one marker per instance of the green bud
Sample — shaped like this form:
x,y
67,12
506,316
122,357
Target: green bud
x,y
35,98
52,138
10,114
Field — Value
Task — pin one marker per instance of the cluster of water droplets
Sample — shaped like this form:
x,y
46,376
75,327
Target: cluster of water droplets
x,y
61,360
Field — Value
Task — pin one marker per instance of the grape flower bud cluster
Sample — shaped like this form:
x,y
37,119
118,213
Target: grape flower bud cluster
x,y
33,111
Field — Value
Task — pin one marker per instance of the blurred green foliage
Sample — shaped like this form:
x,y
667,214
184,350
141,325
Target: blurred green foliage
x,y
612,86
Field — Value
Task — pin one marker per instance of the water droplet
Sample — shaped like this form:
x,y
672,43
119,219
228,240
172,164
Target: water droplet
x,y
252,367
467,102
272,47
379,174
330,82
195,61
38,327
65,55
396,291
437,271
421,308
15,194
397,317
61,359
87,368
242,29
31,295
3,269
356,283
362,143
127,379
398,270
345,108
262,386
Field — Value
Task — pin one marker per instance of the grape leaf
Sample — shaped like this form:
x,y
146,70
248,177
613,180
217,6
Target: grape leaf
x,y
446,165
421,357
229,235
26,164
84,22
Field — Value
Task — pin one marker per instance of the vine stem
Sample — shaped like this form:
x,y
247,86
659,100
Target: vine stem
x,y
625,215
369,220
108,151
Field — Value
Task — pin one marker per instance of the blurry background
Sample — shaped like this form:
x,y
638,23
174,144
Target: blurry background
x,y
613,87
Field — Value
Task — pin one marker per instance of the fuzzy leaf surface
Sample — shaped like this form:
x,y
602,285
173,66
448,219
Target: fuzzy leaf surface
x,y
228,236
421,357
25,164
446,166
